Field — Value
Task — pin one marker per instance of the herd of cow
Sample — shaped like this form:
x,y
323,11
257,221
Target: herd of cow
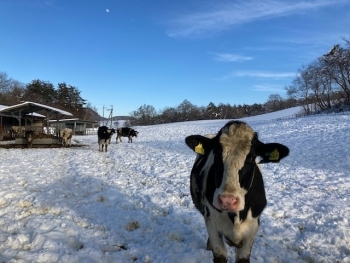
x,y
104,135
65,135
226,182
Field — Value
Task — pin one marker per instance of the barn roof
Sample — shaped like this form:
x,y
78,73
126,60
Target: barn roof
x,y
31,107
4,113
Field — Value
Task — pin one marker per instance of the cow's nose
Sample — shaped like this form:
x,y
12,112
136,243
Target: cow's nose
x,y
228,202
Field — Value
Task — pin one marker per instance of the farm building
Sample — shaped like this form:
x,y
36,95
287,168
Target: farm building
x,y
16,119
79,127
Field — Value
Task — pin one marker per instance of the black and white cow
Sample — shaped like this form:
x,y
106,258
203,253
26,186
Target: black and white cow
x,y
227,186
126,132
30,136
104,137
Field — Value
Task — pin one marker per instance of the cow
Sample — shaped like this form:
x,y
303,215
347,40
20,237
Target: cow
x,y
30,136
227,186
18,131
66,135
126,132
104,137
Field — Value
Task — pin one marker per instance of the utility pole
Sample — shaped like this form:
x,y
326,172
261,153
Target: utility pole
x,y
110,115
103,114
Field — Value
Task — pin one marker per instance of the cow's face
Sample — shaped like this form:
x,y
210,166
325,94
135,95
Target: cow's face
x,y
64,139
135,133
230,157
29,135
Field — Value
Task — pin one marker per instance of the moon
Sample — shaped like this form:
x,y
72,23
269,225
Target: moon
x,y
107,10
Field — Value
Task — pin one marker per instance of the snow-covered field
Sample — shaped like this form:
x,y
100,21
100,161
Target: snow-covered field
x,y
132,204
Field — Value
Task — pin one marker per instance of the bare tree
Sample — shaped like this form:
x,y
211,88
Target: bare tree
x,y
11,91
337,65
274,103
144,115
187,111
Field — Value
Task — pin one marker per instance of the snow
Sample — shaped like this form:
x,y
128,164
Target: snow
x,y
132,204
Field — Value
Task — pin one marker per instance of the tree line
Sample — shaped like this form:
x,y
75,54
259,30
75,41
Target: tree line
x,y
186,111
68,97
63,96
324,84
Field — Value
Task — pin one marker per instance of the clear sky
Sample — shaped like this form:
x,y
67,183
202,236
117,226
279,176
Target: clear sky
x,y
128,53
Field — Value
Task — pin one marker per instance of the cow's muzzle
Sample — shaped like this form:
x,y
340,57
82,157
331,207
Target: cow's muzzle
x,y
229,202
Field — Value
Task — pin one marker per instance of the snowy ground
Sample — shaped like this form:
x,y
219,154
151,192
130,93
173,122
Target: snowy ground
x,y
132,204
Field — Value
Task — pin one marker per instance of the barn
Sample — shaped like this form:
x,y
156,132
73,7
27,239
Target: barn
x,y
16,119
79,127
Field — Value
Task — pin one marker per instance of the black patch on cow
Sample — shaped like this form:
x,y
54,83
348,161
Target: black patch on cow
x,y
251,180
211,185
102,132
232,217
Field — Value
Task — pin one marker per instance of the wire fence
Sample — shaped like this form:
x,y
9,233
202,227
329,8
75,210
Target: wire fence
x,y
302,115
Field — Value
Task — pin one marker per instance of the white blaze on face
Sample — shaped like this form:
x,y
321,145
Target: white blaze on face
x,y
30,137
236,143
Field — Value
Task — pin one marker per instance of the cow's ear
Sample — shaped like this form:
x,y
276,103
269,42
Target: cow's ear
x,y
198,143
272,152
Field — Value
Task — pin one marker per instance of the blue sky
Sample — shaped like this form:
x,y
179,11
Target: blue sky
x,y
159,53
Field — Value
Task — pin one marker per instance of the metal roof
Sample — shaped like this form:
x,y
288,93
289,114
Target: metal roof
x,y
4,113
31,107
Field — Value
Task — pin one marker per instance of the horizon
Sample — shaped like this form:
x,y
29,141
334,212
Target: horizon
x,y
126,55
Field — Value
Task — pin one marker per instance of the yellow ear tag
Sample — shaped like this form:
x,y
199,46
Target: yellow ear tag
x,y
199,149
274,155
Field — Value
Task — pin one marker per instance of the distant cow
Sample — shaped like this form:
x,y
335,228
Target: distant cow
x,y
227,186
126,132
104,137
66,135
30,136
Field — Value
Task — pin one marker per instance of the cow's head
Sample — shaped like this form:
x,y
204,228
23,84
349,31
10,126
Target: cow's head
x,y
231,156
29,135
135,133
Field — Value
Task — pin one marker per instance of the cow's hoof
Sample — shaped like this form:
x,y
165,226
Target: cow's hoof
x,y
220,259
243,260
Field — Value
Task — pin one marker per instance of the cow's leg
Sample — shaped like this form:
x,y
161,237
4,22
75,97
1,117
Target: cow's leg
x,y
215,242
248,231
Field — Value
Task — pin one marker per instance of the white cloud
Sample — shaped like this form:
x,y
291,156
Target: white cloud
x,y
268,88
263,74
225,57
230,14
258,74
